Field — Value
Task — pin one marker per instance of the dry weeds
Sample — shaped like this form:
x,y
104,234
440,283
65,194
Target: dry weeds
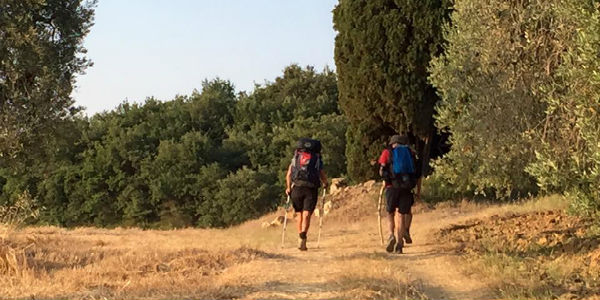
x,y
93,263
239,262
532,252
13,260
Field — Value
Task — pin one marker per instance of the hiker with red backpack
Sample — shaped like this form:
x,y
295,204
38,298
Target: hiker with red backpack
x,y
304,176
397,167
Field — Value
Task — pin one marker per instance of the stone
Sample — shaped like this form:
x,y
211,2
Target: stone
x,y
568,296
278,221
542,241
369,184
327,207
334,190
163,268
265,225
594,257
339,181
337,185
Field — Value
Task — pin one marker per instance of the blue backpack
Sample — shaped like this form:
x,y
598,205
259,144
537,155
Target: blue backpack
x,y
402,168
402,161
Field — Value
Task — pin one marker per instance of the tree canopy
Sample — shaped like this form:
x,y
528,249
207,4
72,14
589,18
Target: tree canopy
x,y
210,159
500,84
382,53
40,54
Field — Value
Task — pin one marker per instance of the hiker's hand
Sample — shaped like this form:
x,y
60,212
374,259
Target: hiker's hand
x,y
288,191
325,184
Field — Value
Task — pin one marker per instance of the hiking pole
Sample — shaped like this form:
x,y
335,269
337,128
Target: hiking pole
x,y
285,207
321,213
379,211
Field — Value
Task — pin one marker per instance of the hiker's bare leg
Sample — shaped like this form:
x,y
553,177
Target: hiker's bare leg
x,y
391,222
298,216
407,221
305,220
402,227
398,225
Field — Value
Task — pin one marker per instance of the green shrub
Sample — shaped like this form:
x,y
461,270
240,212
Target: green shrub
x,y
241,196
568,160
498,54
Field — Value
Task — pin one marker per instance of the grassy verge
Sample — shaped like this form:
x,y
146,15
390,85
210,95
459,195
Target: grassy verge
x,y
532,250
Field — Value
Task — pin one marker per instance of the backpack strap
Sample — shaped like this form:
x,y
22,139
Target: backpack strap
x,y
318,162
390,163
294,158
391,155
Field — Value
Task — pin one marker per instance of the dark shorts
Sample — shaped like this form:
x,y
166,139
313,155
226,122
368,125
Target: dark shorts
x,y
401,199
304,198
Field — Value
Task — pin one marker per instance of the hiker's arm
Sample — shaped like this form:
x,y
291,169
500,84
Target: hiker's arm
x,y
383,159
323,178
288,181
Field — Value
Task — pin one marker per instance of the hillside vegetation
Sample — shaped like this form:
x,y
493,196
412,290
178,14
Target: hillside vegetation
x,y
461,250
210,159
167,198
500,101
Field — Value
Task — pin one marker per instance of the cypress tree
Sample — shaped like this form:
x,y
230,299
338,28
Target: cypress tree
x,y
382,53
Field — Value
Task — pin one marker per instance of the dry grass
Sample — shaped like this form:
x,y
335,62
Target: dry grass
x,y
531,250
240,262
14,216
13,260
485,209
93,263
245,261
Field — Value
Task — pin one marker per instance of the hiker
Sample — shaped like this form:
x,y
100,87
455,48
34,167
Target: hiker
x,y
304,176
397,167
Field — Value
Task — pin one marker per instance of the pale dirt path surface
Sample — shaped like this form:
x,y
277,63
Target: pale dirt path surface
x,y
442,272
350,257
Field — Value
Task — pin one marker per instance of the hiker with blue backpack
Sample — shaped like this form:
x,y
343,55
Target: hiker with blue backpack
x,y
397,167
304,177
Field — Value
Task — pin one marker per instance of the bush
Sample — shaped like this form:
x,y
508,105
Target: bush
x,y
13,216
241,196
568,160
489,79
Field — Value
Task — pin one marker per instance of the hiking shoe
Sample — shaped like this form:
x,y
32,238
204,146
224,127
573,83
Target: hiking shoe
x,y
302,244
398,248
391,244
407,238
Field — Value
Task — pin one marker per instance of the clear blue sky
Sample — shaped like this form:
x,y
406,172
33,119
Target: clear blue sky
x,y
161,48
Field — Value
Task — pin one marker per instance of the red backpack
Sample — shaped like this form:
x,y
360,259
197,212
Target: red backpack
x,y
307,163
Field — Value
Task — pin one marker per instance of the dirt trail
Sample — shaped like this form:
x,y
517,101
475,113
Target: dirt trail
x,y
349,257
440,271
